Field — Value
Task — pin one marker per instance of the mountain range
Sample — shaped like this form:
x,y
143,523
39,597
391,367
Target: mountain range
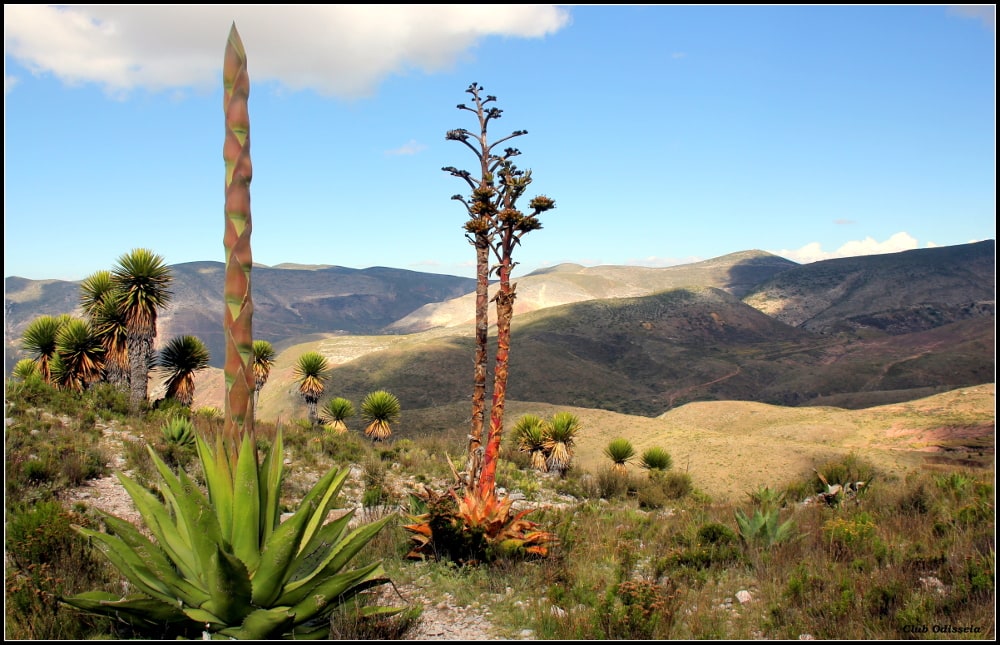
x,y
750,326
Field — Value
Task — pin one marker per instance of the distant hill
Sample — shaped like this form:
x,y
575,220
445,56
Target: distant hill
x,y
896,292
288,302
751,326
736,273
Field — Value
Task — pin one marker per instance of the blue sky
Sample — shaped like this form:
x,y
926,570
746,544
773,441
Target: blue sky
x,y
666,134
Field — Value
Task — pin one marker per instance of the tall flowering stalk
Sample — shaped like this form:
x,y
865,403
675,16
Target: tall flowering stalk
x,y
237,322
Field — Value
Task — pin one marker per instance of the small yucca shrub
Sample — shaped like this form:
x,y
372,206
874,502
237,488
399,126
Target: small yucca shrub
x,y
620,451
656,458
380,409
335,414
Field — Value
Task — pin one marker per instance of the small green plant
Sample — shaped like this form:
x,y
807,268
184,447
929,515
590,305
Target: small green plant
x,y
656,459
529,437
179,431
560,438
762,528
335,414
620,451
638,610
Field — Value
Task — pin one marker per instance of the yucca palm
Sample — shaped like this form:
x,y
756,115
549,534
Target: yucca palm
x,y
529,435
144,280
656,459
560,437
380,409
39,340
310,374
263,361
80,353
102,302
180,358
620,451
336,412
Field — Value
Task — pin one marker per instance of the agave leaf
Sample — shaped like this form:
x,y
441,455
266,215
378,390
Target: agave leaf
x,y
202,616
137,610
339,556
130,565
159,522
155,560
263,624
193,514
229,585
277,558
219,480
329,535
271,470
325,494
246,506
338,589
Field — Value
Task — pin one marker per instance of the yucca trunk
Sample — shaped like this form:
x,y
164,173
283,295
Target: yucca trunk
x,y
140,357
237,321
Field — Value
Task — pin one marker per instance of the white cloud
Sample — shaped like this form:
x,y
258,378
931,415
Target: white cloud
x,y
812,252
335,50
987,13
411,147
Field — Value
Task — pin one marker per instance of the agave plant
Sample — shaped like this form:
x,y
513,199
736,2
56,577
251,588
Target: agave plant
x,y
179,431
335,414
380,409
620,451
763,527
529,434
472,528
223,564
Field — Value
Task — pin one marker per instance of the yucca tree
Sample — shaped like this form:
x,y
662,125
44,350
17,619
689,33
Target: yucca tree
x,y
39,341
529,436
263,361
311,376
380,409
656,459
81,355
336,412
144,281
560,438
620,451
180,359
109,322
102,303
